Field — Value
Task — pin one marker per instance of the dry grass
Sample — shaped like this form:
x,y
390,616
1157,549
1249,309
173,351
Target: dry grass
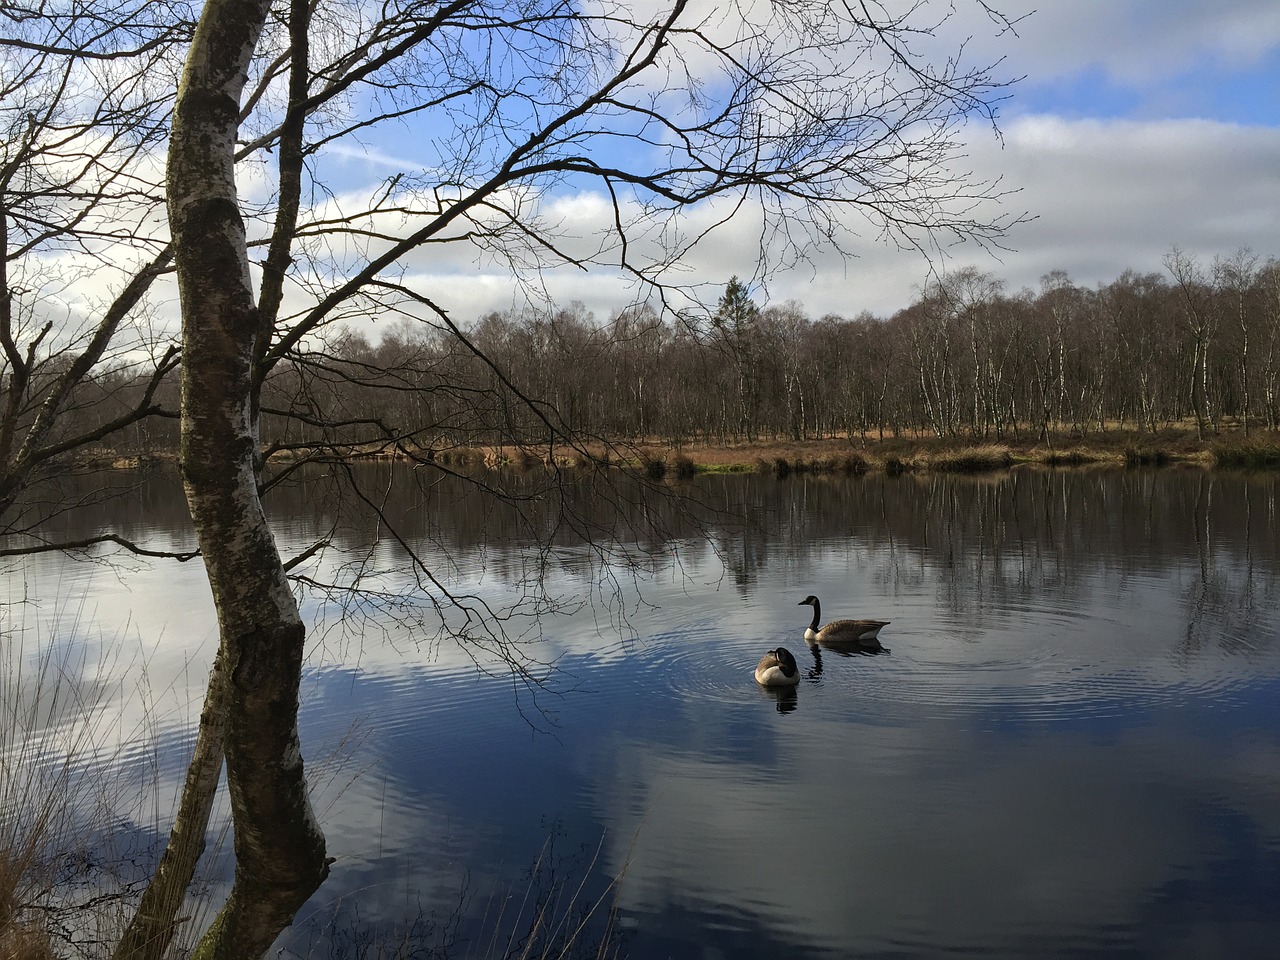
x,y
65,881
852,456
1115,447
1252,454
24,940
39,707
977,459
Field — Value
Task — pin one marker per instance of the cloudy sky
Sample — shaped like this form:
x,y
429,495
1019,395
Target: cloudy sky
x,y
1140,125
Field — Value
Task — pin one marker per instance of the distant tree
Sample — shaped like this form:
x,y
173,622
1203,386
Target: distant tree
x,y
1235,280
785,329
735,323
1201,319
1268,283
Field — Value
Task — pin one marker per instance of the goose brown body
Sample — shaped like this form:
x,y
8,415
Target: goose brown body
x,y
777,668
840,631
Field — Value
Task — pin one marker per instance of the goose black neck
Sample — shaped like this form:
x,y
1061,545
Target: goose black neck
x,y
817,611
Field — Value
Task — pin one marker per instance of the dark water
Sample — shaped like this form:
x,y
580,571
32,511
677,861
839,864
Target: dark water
x,y
1071,747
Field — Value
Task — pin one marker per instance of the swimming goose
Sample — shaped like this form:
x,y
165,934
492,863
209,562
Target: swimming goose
x,y
840,631
778,668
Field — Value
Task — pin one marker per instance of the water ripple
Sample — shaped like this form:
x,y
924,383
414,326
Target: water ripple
x,y
1037,682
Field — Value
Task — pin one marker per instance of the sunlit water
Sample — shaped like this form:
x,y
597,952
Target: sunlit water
x,y
1071,747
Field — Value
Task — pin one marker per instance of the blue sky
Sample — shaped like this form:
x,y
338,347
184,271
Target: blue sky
x,y
1140,125
1235,95
1212,73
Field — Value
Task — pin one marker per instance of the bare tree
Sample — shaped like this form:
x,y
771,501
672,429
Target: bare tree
x,y
815,119
1235,277
1201,321
84,103
1269,295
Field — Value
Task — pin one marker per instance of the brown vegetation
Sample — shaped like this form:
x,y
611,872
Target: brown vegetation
x,y
842,456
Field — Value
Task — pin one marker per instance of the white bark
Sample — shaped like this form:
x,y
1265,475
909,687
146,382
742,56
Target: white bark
x,y
278,844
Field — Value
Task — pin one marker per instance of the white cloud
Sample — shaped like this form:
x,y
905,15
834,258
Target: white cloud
x,y
1107,196
1112,195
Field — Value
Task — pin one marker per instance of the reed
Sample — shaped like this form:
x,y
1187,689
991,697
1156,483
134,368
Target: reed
x,y
459,456
685,469
971,459
529,460
56,874
554,915
1138,456
24,940
783,466
853,464
819,465
895,466
728,468
1248,455
1073,457
584,459
563,907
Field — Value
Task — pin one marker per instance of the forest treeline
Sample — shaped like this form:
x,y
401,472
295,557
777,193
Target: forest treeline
x,y
967,359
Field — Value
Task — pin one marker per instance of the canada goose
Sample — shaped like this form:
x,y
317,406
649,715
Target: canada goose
x,y
777,668
840,631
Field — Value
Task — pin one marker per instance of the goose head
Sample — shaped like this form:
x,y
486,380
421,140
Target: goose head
x,y
811,632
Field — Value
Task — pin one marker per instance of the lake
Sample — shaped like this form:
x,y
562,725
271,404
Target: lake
x,y
1070,748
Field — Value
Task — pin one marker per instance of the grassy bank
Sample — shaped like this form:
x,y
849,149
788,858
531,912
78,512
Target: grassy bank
x,y
660,459
925,454
664,459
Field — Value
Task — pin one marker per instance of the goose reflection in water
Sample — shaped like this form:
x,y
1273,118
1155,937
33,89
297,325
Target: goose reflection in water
x,y
840,650
785,699
859,649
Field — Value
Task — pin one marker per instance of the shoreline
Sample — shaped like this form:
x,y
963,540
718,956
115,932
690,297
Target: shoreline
x,y
1259,450
659,458
897,455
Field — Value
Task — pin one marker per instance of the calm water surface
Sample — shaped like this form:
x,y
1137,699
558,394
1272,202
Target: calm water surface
x,y
1071,748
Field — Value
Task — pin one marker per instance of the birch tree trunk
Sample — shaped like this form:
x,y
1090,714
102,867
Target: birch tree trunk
x,y
279,849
